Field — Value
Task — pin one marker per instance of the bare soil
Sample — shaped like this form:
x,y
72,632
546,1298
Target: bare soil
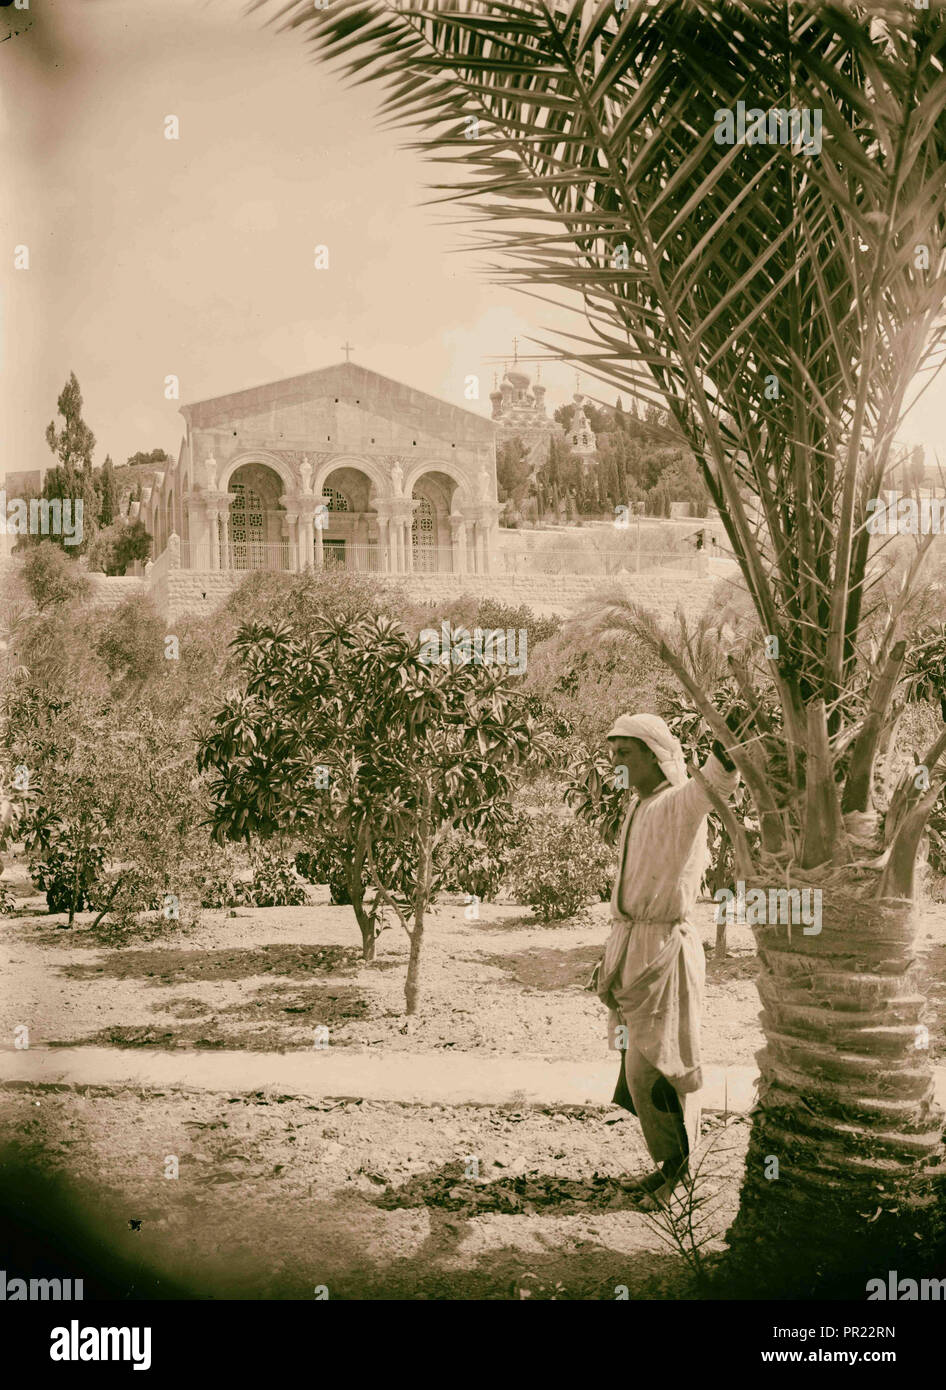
x,y
266,978
275,1198
278,1197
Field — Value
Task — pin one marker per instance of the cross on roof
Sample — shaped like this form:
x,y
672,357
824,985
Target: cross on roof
x,y
347,348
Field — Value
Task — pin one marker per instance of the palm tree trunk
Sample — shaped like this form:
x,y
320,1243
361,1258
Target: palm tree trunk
x,y
845,1104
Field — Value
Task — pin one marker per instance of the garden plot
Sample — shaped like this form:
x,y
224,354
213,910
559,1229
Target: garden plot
x,y
268,978
275,1197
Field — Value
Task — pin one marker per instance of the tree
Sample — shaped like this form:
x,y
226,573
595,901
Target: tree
x,y
50,577
352,726
154,459
774,299
512,469
73,479
560,473
108,492
73,444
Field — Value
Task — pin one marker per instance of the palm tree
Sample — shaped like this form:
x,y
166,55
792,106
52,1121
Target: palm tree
x,y
778,294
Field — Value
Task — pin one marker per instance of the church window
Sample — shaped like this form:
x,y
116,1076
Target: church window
x,y
337,501
422,535
247,527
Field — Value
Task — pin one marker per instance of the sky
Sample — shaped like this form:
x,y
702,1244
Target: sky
x,y
194,257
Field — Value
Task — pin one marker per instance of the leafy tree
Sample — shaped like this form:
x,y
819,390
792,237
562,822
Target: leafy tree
x,y
512,469
148,460
559,866
132,542
50,576
131,641
349,726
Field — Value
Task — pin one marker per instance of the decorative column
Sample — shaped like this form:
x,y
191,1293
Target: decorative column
x,y
217,505
384,554
213,517
292,525
310,532
458,543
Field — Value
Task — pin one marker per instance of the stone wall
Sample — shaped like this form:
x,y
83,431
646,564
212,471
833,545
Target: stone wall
x,y
663,591
111,590
198,591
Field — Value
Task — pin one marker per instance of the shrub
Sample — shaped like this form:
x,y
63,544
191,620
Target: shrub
x,y
119,545
130,640
69,865
52,577
560,865
328,863
275,881
218,878
477,864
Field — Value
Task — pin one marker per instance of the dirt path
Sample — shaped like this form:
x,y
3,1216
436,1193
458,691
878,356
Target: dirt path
x,y
275,1196
427,1078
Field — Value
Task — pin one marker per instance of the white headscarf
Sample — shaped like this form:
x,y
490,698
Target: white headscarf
x,y
653,731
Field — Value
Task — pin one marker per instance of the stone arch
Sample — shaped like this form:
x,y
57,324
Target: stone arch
x,y
352,527
257,517
464,490
265,459
380,483
433,494
171,523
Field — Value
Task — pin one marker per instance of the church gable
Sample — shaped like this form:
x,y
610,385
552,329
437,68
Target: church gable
x,y
321,406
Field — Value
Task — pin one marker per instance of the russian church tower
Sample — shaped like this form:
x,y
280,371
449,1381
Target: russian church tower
x,y
580,434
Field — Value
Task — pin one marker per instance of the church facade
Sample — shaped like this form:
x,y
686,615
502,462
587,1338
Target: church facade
x,y
339,466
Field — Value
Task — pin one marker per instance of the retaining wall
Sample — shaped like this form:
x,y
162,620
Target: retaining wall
x,y
197,592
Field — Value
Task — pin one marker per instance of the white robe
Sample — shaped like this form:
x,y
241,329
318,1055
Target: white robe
x,y
652,974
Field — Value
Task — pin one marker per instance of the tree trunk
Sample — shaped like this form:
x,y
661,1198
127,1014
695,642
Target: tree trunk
x,y
356,894
421,897
722,943
365,920
845,1104
412,983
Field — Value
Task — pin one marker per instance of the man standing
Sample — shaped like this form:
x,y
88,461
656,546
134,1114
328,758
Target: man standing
x,y
652,974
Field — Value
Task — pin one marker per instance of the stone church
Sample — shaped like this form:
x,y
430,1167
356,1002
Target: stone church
x,y
339,466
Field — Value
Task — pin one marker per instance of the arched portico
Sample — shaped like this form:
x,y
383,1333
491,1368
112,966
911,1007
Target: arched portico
x,y
264,458
256,524
449,525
